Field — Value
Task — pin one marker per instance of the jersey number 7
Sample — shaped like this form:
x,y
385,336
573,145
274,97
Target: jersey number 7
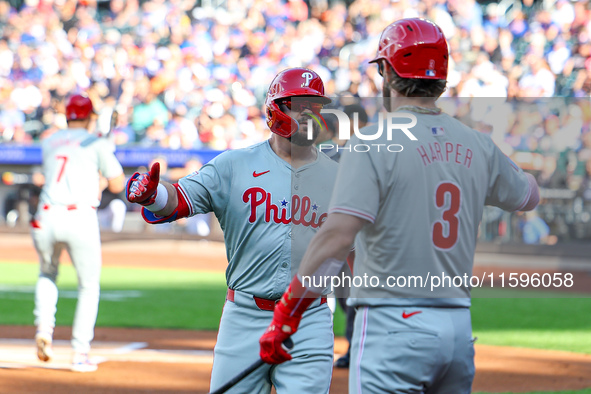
x,y
63,166
442,239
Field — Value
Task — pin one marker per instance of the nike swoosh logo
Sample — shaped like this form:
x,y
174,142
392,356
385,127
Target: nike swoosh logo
x,y
254,173
407,315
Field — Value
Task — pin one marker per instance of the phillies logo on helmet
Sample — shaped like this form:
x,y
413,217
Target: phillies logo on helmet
x,y
301,208
308,77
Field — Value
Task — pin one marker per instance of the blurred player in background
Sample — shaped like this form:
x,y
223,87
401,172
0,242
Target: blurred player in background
x,y
73,161
270,199
417,212
112,209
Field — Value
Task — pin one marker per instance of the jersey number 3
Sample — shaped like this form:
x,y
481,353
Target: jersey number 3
x,y
447,239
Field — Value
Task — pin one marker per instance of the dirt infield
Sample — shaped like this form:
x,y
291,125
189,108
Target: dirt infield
x,y
179,361
499,369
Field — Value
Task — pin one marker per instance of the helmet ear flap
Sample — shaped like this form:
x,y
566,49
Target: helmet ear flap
x,y
279,122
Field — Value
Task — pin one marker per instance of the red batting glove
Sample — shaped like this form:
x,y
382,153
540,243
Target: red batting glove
x,y
282,327
142,188
286,318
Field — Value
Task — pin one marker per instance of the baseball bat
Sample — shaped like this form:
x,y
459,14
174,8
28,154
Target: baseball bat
x,y
287,345
113,122
106,122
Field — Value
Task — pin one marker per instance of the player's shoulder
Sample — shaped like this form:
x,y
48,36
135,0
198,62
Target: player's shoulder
x,y
233,157
326,161
79,135
251,150
59,134
90,139
70,137
102,145
247,152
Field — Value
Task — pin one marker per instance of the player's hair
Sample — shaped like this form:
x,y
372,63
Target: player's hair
x,y
415,87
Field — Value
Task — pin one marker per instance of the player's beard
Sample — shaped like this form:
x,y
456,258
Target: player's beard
x,y
300,137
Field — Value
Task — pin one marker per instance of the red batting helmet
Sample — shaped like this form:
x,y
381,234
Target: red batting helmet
x,y
78,107
415,48
292,82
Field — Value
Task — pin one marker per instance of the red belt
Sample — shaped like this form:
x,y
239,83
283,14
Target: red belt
x,y
263,303
70,207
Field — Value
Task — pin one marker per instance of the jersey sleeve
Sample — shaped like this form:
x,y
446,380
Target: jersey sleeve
x,y
356,190
109,166
208,189
508,186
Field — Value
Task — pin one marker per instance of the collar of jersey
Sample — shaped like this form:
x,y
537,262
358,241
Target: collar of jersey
x,y
286,164
420,110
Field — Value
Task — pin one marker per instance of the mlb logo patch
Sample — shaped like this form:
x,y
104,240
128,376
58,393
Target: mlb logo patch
x,y
430,73
437,131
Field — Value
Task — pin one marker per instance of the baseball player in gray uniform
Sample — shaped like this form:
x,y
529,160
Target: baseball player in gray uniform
x,y
417,212
73,160
270,199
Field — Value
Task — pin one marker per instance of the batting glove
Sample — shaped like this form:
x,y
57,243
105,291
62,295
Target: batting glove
x,y
143,188
282,327
286,319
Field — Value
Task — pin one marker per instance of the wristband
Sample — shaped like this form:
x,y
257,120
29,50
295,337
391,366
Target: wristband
x,y
160,201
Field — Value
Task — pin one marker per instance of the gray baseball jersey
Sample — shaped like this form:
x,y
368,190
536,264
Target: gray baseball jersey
x,y
72,159
268,211
424,204
67,219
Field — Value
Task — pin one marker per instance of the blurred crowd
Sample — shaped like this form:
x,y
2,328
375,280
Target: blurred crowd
x,y
193,74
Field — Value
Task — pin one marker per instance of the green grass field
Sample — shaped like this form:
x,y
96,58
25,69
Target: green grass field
x,y
157,298
193,300
129,297
553,321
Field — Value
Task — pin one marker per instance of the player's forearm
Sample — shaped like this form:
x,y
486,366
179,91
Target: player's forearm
x,y
332,242
171,200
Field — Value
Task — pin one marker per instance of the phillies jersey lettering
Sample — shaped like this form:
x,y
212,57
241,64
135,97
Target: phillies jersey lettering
x,y
267,211
301,207
447,153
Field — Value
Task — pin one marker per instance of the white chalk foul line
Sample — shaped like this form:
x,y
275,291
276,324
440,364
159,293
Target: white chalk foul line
x,y
128,348
20,353
20,291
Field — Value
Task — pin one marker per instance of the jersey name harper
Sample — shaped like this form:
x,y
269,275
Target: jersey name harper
x,y
300,208
446,152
